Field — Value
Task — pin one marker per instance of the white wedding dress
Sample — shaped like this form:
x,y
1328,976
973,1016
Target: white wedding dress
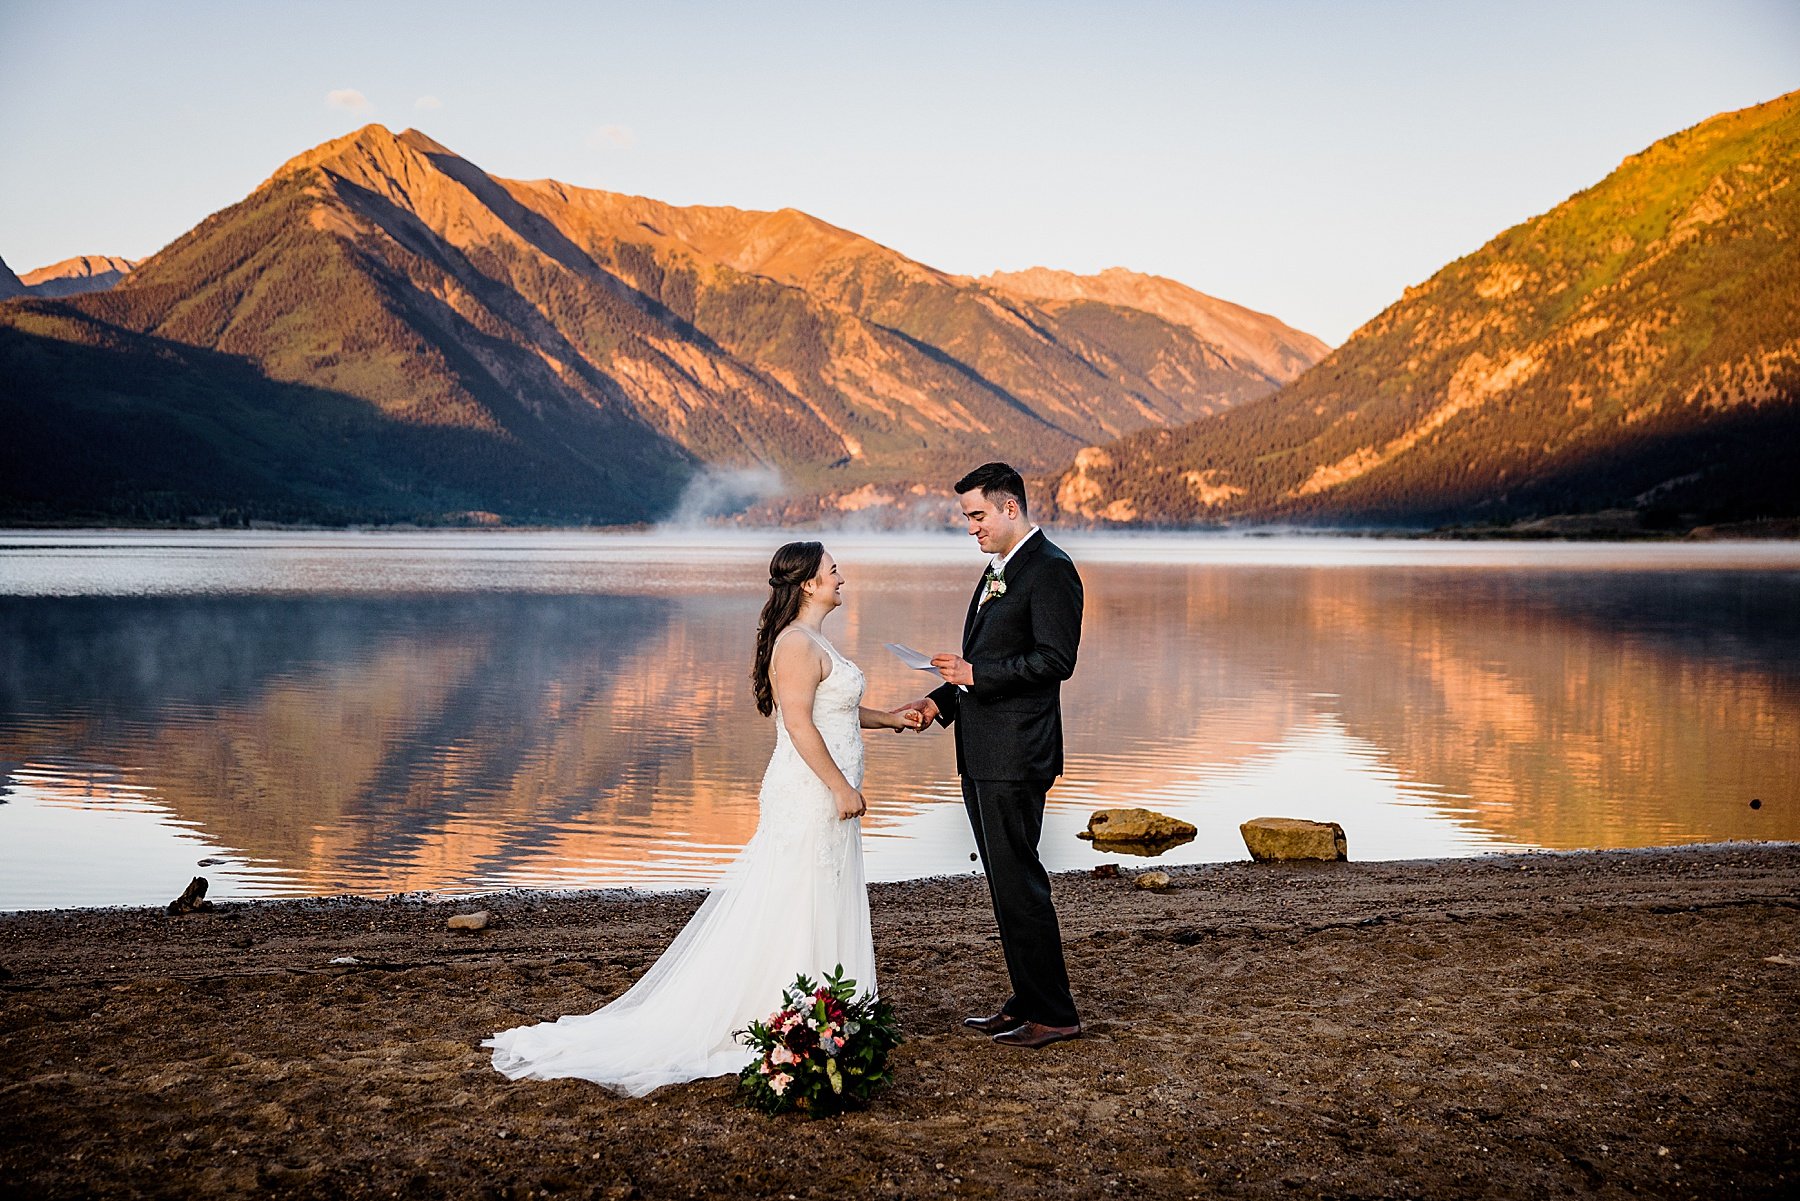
x,y
795,901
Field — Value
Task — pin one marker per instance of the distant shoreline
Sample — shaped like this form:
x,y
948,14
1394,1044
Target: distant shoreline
x,y
1581,528
325,903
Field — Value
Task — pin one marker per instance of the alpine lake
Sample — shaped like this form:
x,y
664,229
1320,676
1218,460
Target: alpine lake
x,y
303,714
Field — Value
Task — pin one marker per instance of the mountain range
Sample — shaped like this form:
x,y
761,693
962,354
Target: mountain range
x,y
1636,348
417,339
382,331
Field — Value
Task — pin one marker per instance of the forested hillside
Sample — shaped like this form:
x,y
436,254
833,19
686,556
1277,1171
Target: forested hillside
x,y
1637,346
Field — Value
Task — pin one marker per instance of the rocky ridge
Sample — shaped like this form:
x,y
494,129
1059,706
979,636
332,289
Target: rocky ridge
x,y
1253,340
83,273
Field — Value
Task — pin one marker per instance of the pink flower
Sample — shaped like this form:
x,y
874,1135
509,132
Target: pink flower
x,y
778,1084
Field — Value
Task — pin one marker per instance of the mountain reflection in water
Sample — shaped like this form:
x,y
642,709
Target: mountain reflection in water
x,y
326,740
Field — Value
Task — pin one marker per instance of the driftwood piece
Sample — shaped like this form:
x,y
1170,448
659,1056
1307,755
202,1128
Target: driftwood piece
x,y
193,900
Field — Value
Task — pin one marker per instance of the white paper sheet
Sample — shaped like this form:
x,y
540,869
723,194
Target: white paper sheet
x,y
917,660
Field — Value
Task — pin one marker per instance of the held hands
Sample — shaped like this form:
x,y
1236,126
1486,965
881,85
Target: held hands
x,y
954,668
849,803
915,715
907,717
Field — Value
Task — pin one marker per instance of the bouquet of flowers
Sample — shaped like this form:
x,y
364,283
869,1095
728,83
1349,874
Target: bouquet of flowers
x,y
824,1051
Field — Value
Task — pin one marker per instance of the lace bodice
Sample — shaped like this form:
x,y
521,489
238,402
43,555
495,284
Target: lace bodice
x,y
836,713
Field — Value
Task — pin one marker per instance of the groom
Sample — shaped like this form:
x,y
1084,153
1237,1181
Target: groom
x,y
1003,696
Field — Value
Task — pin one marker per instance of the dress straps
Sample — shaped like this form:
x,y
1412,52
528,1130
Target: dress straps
x,y
819,640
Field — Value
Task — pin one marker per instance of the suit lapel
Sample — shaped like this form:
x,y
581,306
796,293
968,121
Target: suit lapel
x,y
974,611
1016,569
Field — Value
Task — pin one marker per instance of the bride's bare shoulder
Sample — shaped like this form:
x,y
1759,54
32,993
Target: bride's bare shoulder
x,y
795,646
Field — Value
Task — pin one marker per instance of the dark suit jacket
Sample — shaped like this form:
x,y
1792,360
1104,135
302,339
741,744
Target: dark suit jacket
x,y
1022,645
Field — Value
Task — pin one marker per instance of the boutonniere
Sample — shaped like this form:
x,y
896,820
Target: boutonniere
x,y
995,586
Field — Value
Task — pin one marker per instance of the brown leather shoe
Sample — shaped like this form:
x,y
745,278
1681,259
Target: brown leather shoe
x,y
998,1024
1034,1035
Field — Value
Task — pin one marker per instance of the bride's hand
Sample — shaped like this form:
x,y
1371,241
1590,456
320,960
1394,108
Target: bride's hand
x,y
916,715
849,803
906,719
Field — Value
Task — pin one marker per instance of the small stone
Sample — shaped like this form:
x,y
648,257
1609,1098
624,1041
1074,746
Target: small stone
x,y
346,960
1272,839
1106,871
1154,881
470,921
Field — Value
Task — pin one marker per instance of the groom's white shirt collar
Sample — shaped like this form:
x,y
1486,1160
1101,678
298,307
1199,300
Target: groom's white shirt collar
x,y
1000,561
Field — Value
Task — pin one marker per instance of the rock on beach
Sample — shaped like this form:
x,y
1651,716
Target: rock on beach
x,y
1135,825
1275,839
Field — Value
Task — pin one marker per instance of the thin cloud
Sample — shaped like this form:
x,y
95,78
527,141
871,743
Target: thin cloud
x,y
612,137
428,102
348,98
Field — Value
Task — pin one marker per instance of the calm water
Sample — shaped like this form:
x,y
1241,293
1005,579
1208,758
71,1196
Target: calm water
x,y
456,712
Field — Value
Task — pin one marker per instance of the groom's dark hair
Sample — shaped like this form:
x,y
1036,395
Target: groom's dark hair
x,y
995,479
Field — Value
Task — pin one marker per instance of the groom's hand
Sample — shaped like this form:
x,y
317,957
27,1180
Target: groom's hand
x,y
925,707
955,669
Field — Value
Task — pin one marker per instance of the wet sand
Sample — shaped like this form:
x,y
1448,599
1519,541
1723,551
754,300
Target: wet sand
x,y
1595,1024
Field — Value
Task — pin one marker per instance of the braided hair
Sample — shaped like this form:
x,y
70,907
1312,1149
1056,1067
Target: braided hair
x,y
792,566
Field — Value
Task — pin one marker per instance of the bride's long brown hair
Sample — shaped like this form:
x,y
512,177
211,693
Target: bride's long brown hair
x,y
792,566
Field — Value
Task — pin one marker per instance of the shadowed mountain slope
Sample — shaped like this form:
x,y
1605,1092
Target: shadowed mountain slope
x,y
10,284
104,424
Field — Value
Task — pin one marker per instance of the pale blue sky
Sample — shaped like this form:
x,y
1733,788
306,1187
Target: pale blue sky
x,y
1308,159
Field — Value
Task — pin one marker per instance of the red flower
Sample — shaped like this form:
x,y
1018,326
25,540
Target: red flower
x,y
802,1039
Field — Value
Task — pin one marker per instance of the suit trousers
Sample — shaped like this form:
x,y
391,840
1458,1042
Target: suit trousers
x,y
1007,816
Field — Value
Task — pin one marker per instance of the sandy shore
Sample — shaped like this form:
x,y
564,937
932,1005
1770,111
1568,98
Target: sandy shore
x,y
1599,1024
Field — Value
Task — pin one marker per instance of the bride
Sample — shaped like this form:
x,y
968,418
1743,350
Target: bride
x,y
793,902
